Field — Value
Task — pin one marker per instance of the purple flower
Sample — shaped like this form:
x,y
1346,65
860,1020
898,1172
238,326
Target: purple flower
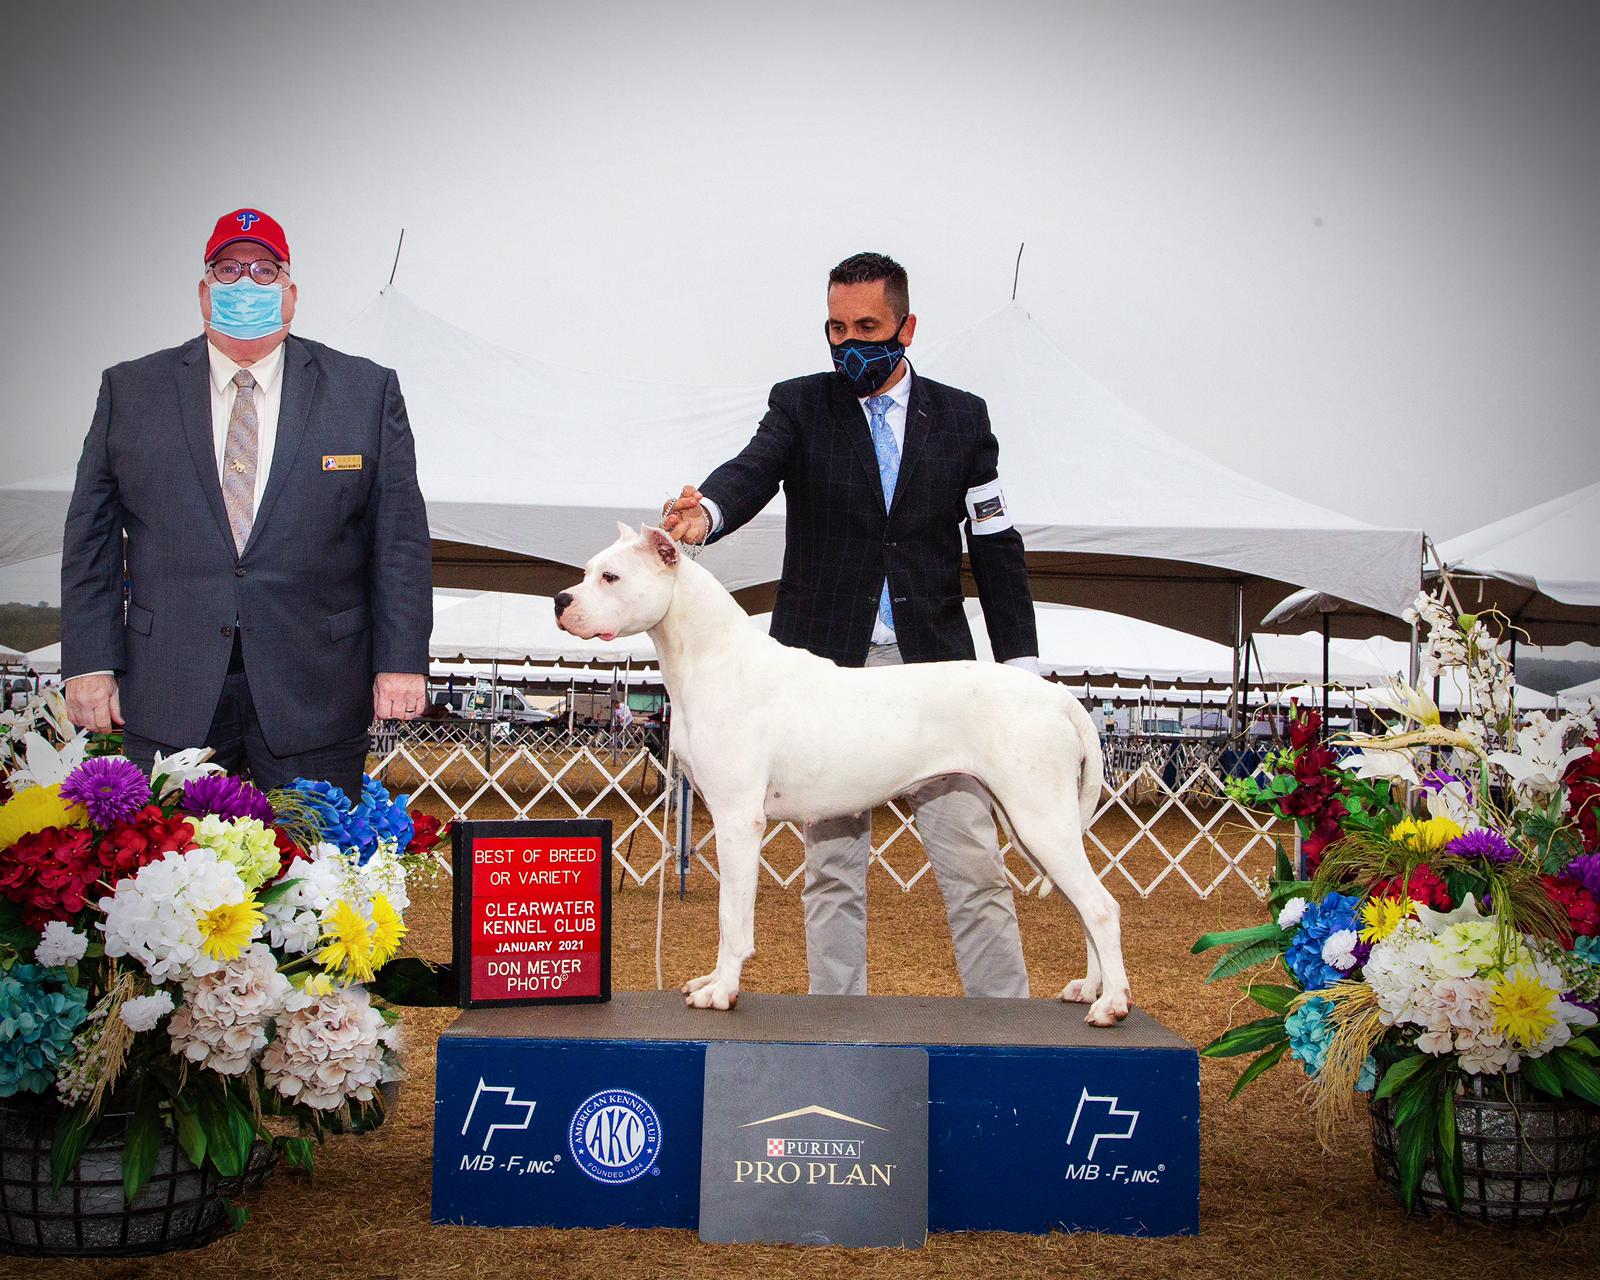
x,y
1585,867
1439,779
1483,843
225,796
111,788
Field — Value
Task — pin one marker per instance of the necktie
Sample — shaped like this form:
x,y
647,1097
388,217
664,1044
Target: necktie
x,y
239,460
888,470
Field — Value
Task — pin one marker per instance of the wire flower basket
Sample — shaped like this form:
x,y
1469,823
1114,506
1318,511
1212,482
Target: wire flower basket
x,y
180,1207
1527,1159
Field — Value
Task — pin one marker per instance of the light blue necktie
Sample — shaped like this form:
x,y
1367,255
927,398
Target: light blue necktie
x,y
888,470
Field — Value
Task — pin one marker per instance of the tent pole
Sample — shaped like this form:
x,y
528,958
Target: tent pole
x,y
1238,644
1325,671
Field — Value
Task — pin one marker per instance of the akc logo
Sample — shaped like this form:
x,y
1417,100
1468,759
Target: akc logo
x,y
615,1136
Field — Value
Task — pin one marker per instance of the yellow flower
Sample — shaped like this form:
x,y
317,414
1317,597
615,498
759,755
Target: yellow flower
x,y
31,811
1523,1007
1428,836
349,940
387,930
316,984
1382,916
226,931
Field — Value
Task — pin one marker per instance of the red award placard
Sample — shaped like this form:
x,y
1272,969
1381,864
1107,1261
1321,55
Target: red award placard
x,y
533,912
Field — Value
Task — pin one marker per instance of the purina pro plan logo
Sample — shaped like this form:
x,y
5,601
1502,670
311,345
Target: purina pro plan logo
x,y
823,1161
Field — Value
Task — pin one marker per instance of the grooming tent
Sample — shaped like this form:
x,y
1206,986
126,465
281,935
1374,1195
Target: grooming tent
x,y
527,466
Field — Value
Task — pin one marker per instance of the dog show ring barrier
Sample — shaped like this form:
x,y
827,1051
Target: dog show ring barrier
x,y
1163,817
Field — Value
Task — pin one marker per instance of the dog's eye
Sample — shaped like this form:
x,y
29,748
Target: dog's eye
x,y
608,577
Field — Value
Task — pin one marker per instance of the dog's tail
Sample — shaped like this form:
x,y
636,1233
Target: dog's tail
x,y
1094,768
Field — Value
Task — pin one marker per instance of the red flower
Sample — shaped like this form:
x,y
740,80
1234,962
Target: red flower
x,y
54,873
1581,907
1305,729
288,850
1582,781
428,832
1423,885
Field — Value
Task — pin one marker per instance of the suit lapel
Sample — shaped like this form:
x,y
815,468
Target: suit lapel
x,y
919,419
194,403
294,405
847,412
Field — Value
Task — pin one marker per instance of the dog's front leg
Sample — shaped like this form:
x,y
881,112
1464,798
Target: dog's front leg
x,y
739,866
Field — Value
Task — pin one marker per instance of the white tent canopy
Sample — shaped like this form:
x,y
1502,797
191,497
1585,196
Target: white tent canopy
x,y
526,467
1580,693
47,659
1538,567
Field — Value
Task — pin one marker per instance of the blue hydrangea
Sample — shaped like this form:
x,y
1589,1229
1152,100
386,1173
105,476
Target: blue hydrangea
x,y
1311,1032
385,818
1587,948
40,1010
1321,919
357,828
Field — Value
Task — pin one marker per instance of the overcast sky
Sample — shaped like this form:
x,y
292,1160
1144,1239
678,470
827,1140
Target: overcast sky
x,y
1350,248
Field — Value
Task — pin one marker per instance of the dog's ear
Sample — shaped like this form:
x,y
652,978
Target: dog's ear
x,y
624,532
661,543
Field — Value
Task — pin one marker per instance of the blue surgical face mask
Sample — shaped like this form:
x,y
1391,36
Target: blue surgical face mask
x,y
245,309
866,366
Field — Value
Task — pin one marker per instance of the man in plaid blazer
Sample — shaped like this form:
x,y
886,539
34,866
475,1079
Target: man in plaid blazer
x,y
881,468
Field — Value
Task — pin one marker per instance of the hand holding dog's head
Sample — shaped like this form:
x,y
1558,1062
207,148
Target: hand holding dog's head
x,y
626,589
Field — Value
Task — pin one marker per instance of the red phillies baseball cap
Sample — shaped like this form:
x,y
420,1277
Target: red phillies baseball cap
x,y
248,224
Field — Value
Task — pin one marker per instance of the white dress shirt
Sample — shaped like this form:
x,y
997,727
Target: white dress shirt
x,y
268,373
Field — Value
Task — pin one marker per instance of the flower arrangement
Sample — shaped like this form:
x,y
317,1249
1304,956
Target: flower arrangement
x,y
1449,926
188,951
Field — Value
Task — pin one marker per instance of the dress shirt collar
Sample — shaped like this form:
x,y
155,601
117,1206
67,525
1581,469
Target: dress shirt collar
x,y
900,393
267,371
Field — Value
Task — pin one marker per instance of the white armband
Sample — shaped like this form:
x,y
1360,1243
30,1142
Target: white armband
x,y
986,508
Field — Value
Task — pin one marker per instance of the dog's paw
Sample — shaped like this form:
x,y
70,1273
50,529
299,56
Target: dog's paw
x,y
694,984
711,992
1107,1011
1082,991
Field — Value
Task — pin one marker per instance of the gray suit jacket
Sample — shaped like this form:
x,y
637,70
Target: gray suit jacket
x,y
333,586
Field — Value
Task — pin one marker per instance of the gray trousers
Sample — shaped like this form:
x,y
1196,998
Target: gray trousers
x,y
957,830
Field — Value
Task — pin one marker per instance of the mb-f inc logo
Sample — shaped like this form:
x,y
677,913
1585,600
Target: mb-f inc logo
x,y
615,1136
1100,1118
496,1108
814,1162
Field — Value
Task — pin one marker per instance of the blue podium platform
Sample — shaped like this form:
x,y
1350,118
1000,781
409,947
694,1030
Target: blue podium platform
x,y
590,1115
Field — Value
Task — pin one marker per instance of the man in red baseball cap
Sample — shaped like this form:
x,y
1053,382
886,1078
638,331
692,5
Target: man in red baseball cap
x,y
257,494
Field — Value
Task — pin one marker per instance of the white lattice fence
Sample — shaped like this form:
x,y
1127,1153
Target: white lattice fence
x,y
1145,833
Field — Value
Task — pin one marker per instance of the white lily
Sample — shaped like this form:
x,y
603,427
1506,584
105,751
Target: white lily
x,y
44,765
1536,766
182,766
1375,763
1398,696
1439,921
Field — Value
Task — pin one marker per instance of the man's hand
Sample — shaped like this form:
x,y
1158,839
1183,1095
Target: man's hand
x,y
94,703
399,695
688,520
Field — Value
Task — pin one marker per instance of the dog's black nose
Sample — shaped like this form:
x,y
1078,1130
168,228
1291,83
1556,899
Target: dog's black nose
x,y
562,601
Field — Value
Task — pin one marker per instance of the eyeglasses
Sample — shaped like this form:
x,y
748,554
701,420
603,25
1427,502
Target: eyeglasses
x,y
262,271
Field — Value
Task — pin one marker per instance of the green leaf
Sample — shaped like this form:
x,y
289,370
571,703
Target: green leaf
x,y
191,1133
1542,1075
415,983
1247,1038
1247,957
73,1131
1449,1147
267,896
1414,1098
140,1145
228,1129
238,1215
1400,1073
1282,869
1415,1142
1258,1067
1577,1076
298,1153
1227,938
1585,1046
1273,999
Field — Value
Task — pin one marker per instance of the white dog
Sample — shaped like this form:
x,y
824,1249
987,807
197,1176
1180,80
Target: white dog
x,y
764,731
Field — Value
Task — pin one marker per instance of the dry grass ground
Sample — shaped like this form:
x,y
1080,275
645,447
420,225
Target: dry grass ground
x,y
1272,1204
